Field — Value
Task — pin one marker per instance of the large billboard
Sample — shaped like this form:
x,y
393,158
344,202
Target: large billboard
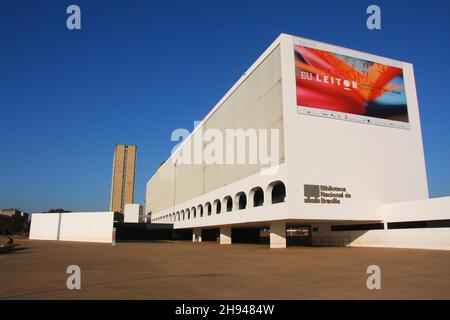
x,y
348,88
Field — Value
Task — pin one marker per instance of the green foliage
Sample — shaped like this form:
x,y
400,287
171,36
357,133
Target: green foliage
x,y
14,224
118,216
59,210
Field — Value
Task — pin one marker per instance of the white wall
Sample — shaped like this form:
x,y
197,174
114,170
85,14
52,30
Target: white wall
x,y
73,226
44,226
429,209
255,102
427,238
376,164
419,238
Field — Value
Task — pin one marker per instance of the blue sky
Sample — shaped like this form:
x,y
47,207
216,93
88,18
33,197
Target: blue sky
x,y
139,69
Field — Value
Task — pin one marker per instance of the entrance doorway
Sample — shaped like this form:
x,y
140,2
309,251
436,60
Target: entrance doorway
x,y
246,235
298,235
210,234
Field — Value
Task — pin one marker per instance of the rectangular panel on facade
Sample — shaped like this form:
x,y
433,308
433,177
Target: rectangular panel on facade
x,y
338,86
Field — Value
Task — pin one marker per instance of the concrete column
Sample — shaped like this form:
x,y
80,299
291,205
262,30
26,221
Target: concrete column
x,y
277,234
225,235
197,235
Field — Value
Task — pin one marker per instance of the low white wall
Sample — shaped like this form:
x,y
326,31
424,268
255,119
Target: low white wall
x,y
87,226
427,238
420,238
73,226
44,226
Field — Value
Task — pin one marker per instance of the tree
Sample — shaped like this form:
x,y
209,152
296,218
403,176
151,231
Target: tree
x,y
59,210
14,224
118,217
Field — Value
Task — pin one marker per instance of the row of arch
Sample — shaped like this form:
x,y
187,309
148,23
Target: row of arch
x,y
276,190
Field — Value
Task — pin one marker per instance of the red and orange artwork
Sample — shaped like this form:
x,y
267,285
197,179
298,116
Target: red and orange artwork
x,y
344,84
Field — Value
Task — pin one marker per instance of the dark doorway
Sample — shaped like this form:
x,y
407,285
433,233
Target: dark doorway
x,y
298,235
245,235
210,234
149,231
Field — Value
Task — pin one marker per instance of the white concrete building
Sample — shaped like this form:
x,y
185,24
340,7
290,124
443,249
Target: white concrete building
x,y
350,162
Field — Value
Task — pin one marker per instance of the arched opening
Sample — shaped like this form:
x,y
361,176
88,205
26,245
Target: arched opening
x,y
228,203
178,215
194,212
217,206
182,214
257,196
278,192
188,214
200,211
208,208
241,200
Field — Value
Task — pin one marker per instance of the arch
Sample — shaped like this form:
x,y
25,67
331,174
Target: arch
x,y
188,214
217,206
208,208
228,203
182,214
256,196
241,200
178,215
194,213
200,211
277,192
